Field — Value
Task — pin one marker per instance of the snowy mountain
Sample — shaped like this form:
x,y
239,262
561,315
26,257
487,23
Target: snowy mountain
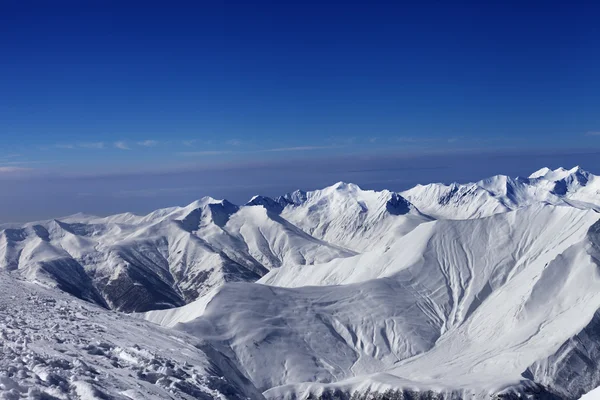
x,y
477,290
162,260
347,216
500,193
457,307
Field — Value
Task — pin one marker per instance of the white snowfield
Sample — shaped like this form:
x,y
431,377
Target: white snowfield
x,y
479,290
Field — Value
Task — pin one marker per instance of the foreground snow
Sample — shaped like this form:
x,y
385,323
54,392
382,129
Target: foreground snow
x,y
593,395
54,346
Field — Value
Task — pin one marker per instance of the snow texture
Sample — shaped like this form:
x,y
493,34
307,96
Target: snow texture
x,y
54,346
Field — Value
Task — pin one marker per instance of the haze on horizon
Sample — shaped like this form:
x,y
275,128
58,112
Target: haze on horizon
x,y
109,107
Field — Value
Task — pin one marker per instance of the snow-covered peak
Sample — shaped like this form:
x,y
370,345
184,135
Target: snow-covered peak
x,y
268,203
558,173
540,173
296,198
206,211
502,193
346,215
344,186
203,202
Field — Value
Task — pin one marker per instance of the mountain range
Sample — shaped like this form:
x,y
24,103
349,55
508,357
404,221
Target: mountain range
x,y
480,290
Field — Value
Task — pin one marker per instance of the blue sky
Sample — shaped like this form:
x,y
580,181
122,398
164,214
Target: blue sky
x,y
90,89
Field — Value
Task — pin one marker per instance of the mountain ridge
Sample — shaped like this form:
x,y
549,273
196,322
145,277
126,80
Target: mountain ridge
x,y
446,291
186,251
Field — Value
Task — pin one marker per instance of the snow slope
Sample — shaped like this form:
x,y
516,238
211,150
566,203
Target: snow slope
x,y
54,346
470,313
348,216
500,194
162,260
593,395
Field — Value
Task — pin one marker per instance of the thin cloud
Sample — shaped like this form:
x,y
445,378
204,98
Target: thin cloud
x,y
188,143
412,139
592,133
272,150
5,163
152,192
65,146
92,145
13,155
9,170
234,142
121,145
342,141
298,148
148,143
427,139
204,153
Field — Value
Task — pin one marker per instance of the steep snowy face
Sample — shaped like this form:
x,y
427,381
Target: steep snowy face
x,y
268,203
53,346
455,201
500,194
162,260
489,246
345,215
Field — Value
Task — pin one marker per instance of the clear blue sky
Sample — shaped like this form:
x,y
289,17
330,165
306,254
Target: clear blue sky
x,y
97,87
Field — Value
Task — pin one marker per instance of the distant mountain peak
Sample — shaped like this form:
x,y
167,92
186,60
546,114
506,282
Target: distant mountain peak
x,y
296,198
540,173
268,203
344,186
558,173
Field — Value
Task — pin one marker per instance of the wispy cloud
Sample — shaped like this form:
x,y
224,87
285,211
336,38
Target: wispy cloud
x,y
270,150
427,139
65,146
13,155
9,170
297,148
204,153
148,143
92,145
234,142
342,141
188,143
121,145
152,192
5,163
412,139
592,133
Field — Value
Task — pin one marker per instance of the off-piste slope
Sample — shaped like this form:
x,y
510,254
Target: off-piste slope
x,y
453,307
501,193
54,346
346,215
162,260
